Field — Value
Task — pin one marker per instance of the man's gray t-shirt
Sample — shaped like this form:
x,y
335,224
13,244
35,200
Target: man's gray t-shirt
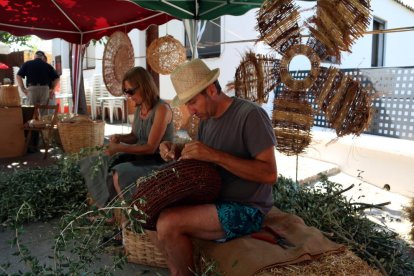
x,y
244,130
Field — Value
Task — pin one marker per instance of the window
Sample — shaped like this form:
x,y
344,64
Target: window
x,y
208,46
378,44
89,57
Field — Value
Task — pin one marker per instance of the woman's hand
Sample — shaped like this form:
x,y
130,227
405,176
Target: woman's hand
x,y
113,148
116,138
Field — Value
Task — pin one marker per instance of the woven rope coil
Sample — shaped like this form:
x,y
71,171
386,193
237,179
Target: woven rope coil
x,y
256,77
293,51
80,132
182,182
141,250
292,120
165,54
9,95
118,58
277,23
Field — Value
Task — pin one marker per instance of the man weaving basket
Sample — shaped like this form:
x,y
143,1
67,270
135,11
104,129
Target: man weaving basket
x,y
237,136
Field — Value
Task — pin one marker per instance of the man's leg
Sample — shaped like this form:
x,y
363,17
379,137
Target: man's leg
x,y
174,228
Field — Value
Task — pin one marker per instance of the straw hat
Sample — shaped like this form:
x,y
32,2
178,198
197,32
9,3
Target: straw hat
x,y
191,78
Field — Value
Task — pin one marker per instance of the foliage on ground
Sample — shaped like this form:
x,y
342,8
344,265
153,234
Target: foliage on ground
x,y
41,193
409,210
325,207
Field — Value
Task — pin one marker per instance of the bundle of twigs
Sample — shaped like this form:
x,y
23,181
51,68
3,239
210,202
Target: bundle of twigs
x,y
277,24
338,24
292,120
256,76
409,210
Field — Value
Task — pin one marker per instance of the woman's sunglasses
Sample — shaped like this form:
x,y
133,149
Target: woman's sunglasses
x,y
130,91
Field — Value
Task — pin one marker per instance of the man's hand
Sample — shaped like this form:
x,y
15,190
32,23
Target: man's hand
x,y
169,151
199,151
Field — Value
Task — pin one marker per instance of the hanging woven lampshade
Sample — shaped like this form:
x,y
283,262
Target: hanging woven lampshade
x,y
292,120
256,77
277,24
346,104
118,58
165,54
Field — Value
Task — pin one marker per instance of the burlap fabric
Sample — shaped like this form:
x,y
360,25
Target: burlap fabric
x,y
249,256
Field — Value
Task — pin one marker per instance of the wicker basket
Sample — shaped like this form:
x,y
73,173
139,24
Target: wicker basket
x,y
140,249
80,132
9,95
177,183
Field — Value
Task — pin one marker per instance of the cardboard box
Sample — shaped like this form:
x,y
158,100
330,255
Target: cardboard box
x,y
12,135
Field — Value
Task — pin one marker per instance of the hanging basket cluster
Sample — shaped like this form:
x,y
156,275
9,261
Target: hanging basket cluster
x,y
333,29
256,77
165,54
118,58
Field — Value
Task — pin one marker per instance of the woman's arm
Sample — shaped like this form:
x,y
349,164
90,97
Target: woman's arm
x,y
163,116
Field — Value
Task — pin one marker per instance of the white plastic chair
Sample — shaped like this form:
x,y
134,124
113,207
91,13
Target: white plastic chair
x,y
112,105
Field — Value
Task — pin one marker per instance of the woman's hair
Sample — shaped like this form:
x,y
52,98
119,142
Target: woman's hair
x,y
139,77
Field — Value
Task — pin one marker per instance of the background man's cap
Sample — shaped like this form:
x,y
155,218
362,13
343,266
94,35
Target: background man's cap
x,y
191,78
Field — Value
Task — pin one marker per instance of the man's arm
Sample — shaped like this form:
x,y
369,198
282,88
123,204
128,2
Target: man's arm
x,y
20,84
260,169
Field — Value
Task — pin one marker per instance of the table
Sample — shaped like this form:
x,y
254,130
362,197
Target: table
x,y
112,105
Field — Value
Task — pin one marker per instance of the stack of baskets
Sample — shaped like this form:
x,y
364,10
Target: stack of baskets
x,y
80,132
9,95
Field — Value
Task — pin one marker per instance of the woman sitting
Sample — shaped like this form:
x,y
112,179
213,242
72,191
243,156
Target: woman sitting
x,y
130,156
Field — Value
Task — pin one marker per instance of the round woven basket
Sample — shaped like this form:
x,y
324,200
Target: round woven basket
x,y
80,132
9,95
178,183
118,58
165,54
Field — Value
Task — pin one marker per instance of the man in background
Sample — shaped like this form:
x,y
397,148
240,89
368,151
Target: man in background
x,y
41,79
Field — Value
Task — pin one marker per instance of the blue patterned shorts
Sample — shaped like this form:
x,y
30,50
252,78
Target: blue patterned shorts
x,y
238,219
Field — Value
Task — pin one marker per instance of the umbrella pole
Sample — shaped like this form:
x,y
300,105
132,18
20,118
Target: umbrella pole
x,y
191,28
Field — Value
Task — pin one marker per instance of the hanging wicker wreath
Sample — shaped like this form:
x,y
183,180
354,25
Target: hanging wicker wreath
x,y
165,54
290,53
118,58
256,77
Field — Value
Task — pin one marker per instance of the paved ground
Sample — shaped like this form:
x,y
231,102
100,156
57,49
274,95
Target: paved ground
x,y
39,236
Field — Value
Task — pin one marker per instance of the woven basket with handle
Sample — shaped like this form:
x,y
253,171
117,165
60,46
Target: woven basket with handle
x,y
80,132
